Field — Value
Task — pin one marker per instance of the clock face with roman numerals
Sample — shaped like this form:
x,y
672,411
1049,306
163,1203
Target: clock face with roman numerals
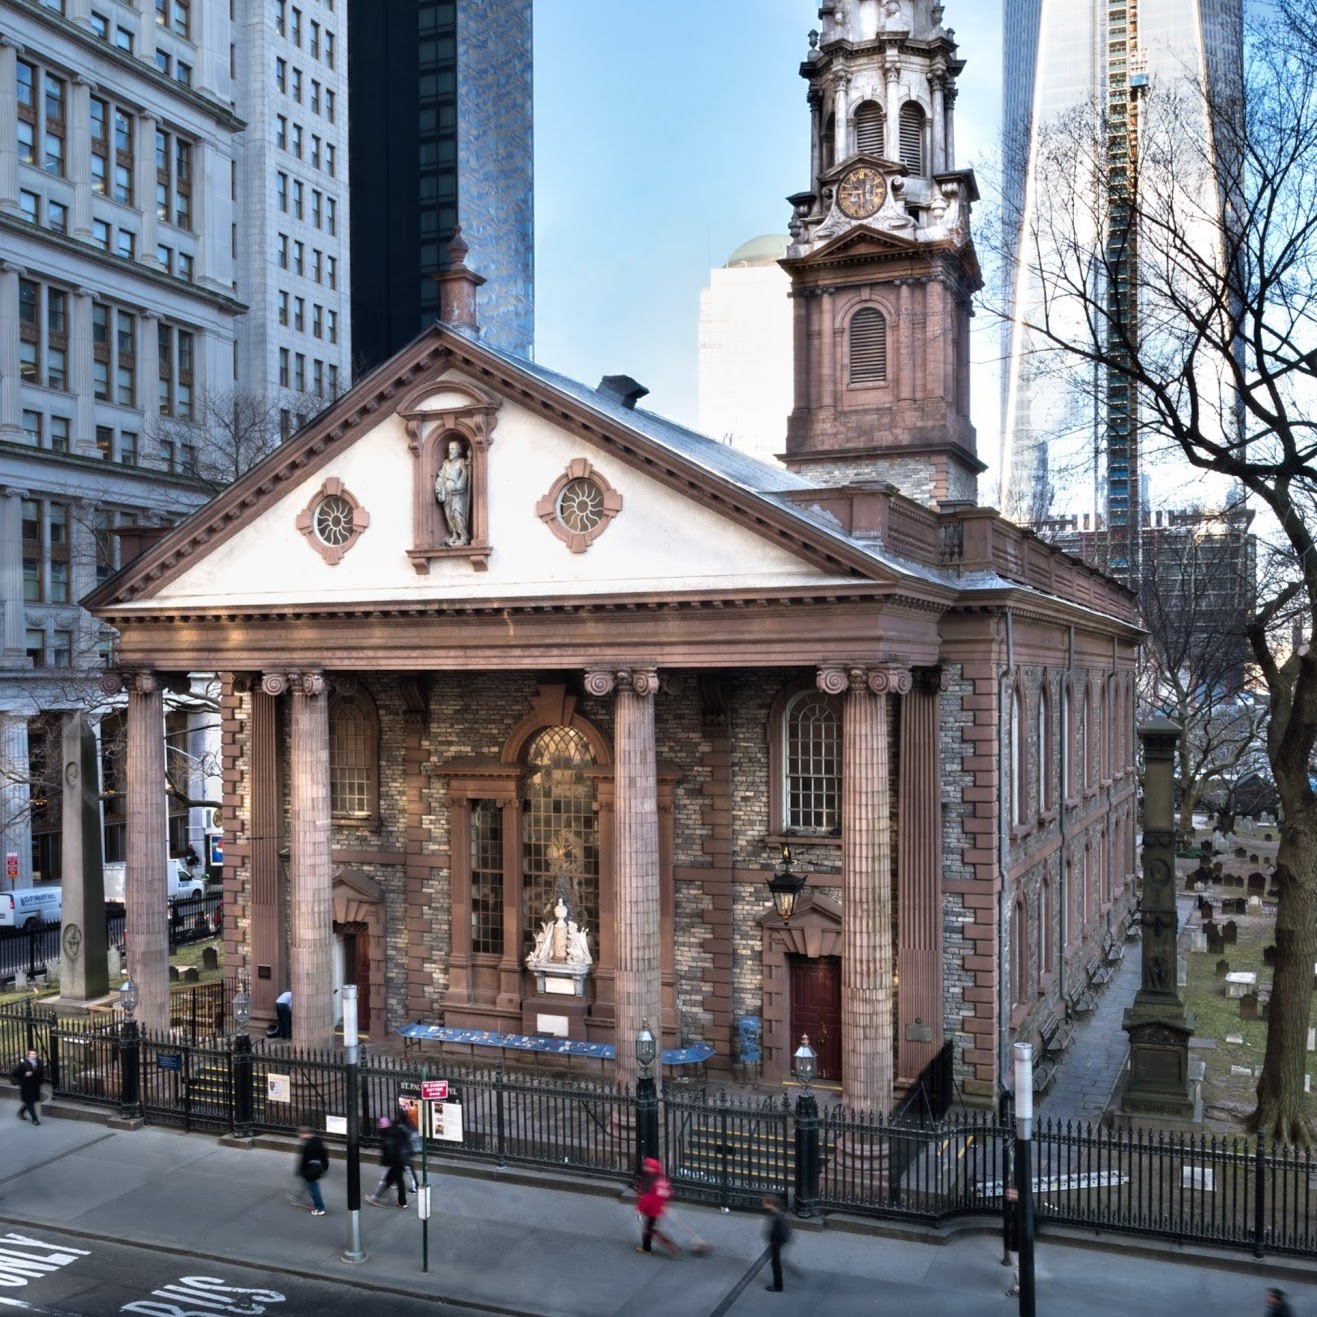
x,y
861,192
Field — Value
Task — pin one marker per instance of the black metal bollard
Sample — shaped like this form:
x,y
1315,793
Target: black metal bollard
x,y
243,1105
807,1154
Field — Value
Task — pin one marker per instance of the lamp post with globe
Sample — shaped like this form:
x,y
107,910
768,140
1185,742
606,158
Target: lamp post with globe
x,y
243,1106
805,1065
130,1055
646,1097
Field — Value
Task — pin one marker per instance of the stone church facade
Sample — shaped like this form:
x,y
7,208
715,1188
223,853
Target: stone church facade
x,y
620,664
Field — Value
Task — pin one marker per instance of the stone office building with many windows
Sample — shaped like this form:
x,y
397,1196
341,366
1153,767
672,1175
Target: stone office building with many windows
x,y
173,250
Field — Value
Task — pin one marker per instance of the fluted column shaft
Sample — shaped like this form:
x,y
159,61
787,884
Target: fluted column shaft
x,y
310,871
866,879
637,985
146,888
15,799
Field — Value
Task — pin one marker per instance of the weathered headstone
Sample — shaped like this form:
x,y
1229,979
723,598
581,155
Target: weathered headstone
x,y
1257,883
1241,853
1230,932
1234,1039
209,958
1181,972
1255,905
173,974
1197,940
1312,1038
1248,1007
1222,968
1216,944
1269,955
192,974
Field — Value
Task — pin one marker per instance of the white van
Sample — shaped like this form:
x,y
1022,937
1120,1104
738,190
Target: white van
x,y
25,906
183,884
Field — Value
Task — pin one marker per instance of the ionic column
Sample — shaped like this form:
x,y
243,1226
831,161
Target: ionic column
x,y
937,123
310,872
15,801
866,880
841,110
144,179
79,163
83,440
919,872
637,983
146,890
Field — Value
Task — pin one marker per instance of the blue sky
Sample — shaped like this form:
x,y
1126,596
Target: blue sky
x,y
668,133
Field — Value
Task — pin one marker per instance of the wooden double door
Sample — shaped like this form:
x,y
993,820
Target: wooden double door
x,y
816,1009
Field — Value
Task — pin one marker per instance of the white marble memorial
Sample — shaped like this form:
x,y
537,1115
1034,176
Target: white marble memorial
x,y
1240,982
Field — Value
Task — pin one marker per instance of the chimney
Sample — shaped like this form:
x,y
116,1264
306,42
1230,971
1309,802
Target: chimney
x,y
457,286
623,389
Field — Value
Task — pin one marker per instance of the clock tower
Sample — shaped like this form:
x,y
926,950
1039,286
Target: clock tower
x,y
881,261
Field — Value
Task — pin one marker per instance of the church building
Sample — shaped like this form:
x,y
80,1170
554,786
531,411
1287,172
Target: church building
x,y
496,647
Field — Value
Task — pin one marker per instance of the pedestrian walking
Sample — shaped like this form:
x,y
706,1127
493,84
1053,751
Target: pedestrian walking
x,y
1012,1199
652,1193
393,1159
1277,1304
29,1074
411,1142
776,1232
312,1163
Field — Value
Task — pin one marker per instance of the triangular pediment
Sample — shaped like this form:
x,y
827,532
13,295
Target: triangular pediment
x,y
677,514
858,242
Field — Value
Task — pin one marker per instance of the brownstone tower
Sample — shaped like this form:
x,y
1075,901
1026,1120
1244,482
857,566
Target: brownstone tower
x,y
882,264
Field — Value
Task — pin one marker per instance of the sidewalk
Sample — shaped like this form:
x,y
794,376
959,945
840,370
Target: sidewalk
x,y
514,1242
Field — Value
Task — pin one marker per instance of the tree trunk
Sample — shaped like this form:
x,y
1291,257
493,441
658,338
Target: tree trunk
x,y
1282,1104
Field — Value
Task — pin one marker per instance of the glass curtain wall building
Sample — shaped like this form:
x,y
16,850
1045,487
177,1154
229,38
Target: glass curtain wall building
x,y
440,134
1072,446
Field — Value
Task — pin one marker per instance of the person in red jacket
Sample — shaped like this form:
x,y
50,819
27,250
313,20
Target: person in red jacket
x,y
652,1194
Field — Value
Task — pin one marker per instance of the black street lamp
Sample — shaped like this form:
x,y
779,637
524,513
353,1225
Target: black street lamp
x,y
785,887
646,1097
243,1105
805,1065
130,1055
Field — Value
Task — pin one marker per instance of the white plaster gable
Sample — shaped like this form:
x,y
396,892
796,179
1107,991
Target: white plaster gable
x,y
661,540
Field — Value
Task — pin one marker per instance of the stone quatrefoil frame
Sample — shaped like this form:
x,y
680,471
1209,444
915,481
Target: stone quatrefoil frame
x,y
346,525
594,505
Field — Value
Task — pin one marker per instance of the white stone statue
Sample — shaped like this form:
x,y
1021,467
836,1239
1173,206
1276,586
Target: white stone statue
x,y
560,941
452,489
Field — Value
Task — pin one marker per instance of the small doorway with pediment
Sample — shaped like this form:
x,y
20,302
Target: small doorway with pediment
x,y
816,1009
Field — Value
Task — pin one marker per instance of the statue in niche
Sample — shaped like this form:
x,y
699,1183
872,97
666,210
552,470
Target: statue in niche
x,y
561,941
452,491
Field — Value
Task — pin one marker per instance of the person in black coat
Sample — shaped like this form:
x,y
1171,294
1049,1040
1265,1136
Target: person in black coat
x,y
393,1158
1277,1304
312,1163
776,1232
29,1074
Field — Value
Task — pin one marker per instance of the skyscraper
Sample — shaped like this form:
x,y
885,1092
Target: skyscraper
x,y
440,135
1072,437
174,218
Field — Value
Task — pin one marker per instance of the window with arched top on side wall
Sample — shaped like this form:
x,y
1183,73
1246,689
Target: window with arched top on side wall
x,y
1019,759
811,764
1067,740
354,755
828,146
868,346
870,128
1044,750
912,137
1046,932
1068,903
1104,735
1019,953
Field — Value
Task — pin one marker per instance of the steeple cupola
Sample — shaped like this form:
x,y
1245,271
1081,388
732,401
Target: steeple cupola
x,y
882,263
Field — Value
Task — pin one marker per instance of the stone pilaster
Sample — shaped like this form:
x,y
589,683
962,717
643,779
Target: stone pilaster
x,y
11,397
84,973
637,984
919,866
146,889
866,880
310,871
8,115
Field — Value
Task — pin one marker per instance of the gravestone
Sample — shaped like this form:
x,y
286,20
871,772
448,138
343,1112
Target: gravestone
x,y
1255,905
1252,858
210,957
1234,1039
1269,955
1248,1007
173,974
1215,942
1197,940
1257,884
1181,972
1230,933
192,974
1216,869
1241,853
1312,1038
1222,968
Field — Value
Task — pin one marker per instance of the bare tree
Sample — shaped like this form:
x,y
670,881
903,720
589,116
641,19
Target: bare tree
x,y
228,433
1185,271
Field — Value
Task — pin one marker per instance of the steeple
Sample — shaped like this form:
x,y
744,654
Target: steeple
x,y
882,263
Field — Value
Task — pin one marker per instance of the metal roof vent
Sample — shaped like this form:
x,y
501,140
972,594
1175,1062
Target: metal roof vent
x,y
623,389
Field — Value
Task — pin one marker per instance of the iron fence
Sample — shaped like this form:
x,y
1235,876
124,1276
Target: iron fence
x,y
717,1147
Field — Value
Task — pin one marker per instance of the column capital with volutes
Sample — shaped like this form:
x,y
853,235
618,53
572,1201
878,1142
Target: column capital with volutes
x,y
131,681
639,681
879,678
298,681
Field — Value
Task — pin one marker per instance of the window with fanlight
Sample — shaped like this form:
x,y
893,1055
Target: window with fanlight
x,y
353,756
811,763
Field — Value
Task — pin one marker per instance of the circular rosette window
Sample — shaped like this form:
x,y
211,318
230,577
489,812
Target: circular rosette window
x,y
579,506
333,520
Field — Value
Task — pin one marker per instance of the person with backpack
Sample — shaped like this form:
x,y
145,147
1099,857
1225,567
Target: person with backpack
x,y
652,1193
312,1163
410,1138
29,1074
393,1158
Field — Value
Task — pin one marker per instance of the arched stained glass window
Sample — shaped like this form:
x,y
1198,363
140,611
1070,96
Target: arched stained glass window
x,y
560,832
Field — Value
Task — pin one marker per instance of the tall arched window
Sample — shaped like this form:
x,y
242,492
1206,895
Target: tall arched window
x,y
912,137
870,128
811,790
1045,752
1019,953
828,146
868,346
1067,741
354,753
560,831
1104,735
1019,760
1046,932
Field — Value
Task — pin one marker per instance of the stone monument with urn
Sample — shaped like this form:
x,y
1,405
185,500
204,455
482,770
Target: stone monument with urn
x,y
561,962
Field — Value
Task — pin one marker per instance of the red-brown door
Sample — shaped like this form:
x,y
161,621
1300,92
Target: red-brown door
x,y
816,1010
